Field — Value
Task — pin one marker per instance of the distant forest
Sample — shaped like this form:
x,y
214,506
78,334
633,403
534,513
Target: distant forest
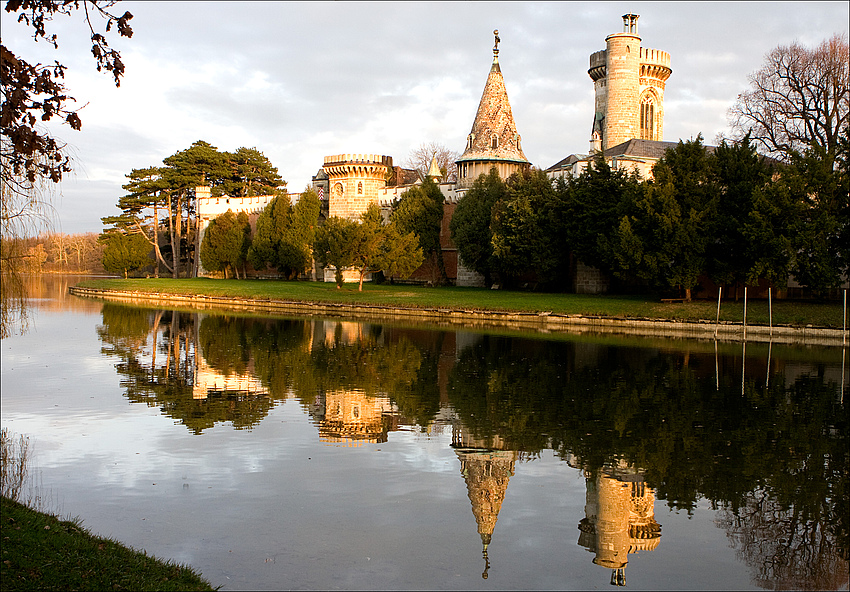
x,y
56,252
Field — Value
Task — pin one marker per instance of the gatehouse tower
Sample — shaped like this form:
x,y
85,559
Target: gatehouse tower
x,y
629,81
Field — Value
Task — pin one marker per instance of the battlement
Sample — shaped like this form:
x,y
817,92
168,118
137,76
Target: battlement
x,y
338,159
598,64
655,63
654,57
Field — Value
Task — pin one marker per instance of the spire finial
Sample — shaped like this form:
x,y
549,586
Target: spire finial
x,y
496,47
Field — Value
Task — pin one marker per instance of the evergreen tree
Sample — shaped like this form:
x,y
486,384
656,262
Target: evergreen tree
x,y
251,174
420,210
664,241
124,253
226,242
523,235
470,225
399,254
820,230
332,248
285,234
749,233
592,206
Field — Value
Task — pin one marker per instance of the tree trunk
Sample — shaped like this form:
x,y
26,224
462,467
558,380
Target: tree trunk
x,y
687,294
157,254
175,246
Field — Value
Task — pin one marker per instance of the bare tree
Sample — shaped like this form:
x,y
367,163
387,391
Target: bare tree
x,y
420,159
799,99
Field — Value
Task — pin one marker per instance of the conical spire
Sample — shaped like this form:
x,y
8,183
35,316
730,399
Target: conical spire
x,y
434,170
494,136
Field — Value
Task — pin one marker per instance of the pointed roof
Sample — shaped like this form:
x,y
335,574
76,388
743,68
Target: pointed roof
x,y
434,169
494,135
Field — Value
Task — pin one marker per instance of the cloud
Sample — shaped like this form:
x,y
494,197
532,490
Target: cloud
x,y
300,81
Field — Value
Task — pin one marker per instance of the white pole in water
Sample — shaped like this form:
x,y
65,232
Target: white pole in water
x,y
745,312
717,366
770,309
844,326
717,322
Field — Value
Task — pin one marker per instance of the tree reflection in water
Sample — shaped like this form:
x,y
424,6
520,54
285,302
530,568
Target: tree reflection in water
x,y
642,422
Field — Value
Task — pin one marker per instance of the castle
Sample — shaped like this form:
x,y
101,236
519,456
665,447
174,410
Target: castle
x,y
628,122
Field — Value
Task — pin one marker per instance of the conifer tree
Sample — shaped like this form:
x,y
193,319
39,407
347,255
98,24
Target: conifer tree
x,y
420,210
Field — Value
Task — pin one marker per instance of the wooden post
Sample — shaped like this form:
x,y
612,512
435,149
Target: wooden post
x,y
745,312
770,309
717,322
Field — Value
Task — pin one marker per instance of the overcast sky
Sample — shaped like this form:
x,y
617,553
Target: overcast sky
x,y
300,81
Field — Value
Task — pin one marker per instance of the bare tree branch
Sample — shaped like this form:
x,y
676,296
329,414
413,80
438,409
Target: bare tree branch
x,y
798,99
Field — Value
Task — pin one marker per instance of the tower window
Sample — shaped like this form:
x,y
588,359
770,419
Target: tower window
x,y
360,188
494,142
647,119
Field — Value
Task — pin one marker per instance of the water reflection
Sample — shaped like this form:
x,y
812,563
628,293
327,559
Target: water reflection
x,y
762,437
619,518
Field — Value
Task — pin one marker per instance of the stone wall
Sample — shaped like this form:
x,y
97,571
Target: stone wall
x,y
590,280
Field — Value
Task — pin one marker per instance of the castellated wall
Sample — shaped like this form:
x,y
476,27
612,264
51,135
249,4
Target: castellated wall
x,y
355,181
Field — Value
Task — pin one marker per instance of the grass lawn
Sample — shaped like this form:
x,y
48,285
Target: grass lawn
x,y
41,552
785,312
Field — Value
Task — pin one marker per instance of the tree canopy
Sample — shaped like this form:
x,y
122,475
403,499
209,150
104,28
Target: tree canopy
x,y
470,224
420,210
286,233
124,252
798,100
226,242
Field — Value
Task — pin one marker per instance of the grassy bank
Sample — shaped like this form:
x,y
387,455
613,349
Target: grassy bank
x,y
42,552
785,312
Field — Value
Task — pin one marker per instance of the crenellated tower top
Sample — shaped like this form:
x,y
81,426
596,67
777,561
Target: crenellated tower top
x,y
629,81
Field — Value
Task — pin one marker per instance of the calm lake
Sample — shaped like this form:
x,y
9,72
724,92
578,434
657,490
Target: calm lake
x,y
305,453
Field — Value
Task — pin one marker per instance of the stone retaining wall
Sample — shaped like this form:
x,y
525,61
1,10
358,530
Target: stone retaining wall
x,y
543,322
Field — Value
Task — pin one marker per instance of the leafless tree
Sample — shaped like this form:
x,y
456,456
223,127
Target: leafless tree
x,y
420,159
785,548
799,98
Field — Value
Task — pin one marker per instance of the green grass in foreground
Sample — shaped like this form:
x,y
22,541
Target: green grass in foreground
x,y
40,552
785,312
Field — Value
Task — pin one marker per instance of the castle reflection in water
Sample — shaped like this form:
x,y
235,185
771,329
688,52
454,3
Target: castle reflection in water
x,y
501,403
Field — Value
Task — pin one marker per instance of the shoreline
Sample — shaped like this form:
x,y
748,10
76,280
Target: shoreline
x,y
542,322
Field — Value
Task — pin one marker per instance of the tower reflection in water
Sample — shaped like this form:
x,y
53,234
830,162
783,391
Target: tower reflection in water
x,y
486,467
619,518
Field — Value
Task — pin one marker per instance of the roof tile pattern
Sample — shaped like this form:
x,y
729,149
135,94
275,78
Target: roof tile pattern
x,y
494,135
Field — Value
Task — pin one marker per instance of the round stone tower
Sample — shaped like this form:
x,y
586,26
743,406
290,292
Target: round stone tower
x,y
354,181
629,83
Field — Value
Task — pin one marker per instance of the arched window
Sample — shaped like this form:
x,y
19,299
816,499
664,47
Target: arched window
x,y
494,142
647,118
